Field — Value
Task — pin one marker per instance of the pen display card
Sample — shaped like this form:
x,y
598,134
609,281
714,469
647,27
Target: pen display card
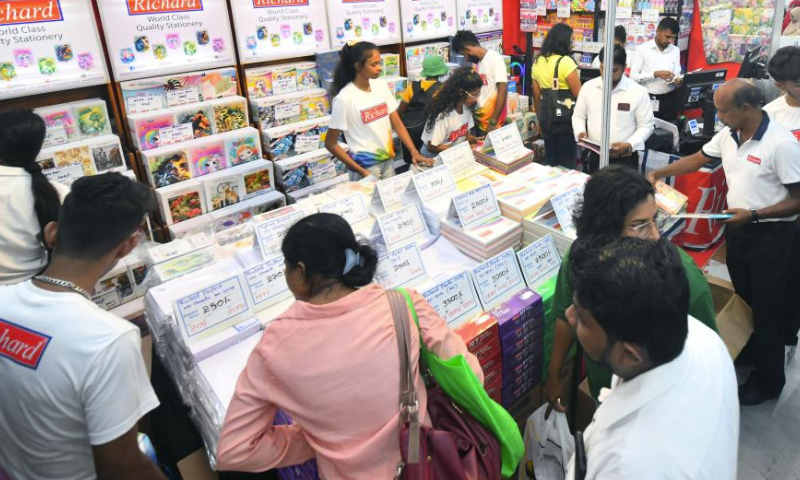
x,y
497,279
212,309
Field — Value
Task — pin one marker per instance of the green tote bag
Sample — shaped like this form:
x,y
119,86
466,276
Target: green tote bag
x,y
457,379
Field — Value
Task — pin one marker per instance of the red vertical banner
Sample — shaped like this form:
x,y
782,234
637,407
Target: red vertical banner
x,y
707,190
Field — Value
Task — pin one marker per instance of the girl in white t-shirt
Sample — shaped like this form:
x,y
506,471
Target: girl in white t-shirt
x,y
365,110
450,115
29,199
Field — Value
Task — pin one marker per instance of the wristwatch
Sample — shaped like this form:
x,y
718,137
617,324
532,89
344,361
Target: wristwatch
x,y
753,215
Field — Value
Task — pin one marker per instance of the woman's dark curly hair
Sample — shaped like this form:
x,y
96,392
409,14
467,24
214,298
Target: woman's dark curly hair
x,y
463,80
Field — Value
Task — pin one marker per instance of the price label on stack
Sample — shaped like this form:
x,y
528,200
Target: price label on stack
x,y
267,283
401,267
497,279
454,299
271,232
211,309
476,206
539,260
402,226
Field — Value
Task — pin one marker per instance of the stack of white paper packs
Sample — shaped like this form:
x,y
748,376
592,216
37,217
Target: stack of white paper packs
x,y
486,240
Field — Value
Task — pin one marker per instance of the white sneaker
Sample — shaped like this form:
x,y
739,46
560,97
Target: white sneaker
x,y
790,351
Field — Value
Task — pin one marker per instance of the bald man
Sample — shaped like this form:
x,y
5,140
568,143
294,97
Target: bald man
x,y
761,160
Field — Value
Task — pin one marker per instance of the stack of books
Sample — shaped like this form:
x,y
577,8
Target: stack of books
x,y
505,165
518,200
482,337
536,227
483,241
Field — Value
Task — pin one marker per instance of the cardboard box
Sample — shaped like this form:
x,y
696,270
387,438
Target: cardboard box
x,y
534,336
734,316
493,375
533,348
533,362
532,325
495,361
523,305
495,391
513,393
478,332
522,377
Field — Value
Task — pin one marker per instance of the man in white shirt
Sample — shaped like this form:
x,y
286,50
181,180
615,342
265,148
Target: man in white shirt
x,y
73,378
761,161
657,67
490,114
631,115
784,68
671,412
620,39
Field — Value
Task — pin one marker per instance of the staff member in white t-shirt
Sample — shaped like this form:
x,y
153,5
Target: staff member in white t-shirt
x,y
366,111
761,160
671,412
74,381
491,111
29,199
450,113
784,68
657,67
631,115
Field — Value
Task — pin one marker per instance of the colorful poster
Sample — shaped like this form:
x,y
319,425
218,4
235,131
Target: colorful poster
x,y
376,21
426,19
48,45
159,37
732,28
790,26
277,29
480,15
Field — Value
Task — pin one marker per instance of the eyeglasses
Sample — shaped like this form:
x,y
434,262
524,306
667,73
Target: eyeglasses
x,y
643,230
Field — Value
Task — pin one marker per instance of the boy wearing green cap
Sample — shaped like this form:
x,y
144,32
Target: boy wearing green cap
x,y
416,98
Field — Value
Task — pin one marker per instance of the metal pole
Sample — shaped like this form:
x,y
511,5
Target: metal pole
x,y
608,64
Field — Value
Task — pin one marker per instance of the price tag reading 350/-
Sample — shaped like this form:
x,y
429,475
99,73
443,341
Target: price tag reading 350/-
x,y
454,299
211,308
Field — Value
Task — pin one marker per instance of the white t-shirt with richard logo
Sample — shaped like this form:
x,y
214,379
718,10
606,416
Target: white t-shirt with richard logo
x,y
72,377
364,119
785,114
450,130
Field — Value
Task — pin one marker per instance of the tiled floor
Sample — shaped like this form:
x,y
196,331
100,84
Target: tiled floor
x,y
769,434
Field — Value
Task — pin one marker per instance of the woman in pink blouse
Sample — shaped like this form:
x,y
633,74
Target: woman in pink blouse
x,y
330,362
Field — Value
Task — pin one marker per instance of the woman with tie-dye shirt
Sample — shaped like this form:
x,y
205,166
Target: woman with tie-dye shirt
x,y
365,110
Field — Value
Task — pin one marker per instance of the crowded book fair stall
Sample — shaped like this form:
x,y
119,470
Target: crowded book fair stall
x,y
476,154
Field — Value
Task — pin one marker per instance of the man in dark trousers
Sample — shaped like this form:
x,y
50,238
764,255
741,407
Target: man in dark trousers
x,y
761,160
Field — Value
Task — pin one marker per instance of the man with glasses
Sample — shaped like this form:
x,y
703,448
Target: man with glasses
x,y
617,202
74,381
761,161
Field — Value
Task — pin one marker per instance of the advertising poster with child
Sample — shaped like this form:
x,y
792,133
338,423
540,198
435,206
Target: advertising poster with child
x,y
159,37
48,45
790,28
480,15
277,29
376,21
425,19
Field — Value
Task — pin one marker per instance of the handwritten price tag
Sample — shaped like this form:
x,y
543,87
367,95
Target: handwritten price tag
x,y
434,183
65,175
390,191
184,96
454,299
284,84
476,206
271,232
564,204
267,283
287,110
539,260
401,267
212,308
55,135
176,134
497,279
507,143
650,15
143,103
402,226
306,143
350,208
624,12
458,158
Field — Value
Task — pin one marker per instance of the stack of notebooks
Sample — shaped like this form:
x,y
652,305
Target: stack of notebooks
x,y
484,241
536,227
506,166
518,200
520,322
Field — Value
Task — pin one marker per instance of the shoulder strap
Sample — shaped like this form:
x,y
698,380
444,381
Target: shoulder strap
x,y
555,72
409,408
416,87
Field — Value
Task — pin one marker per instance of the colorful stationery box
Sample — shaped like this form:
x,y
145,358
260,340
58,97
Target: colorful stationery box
x,y
416,54
281,79
96,155
308,169
181,202
291,108
295,139
390,64
397,85
522,307
177,124
241,182
194,158
73,121
142,96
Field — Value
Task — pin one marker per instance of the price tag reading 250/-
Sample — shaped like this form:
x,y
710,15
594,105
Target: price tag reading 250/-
x,y
497,279
212,309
